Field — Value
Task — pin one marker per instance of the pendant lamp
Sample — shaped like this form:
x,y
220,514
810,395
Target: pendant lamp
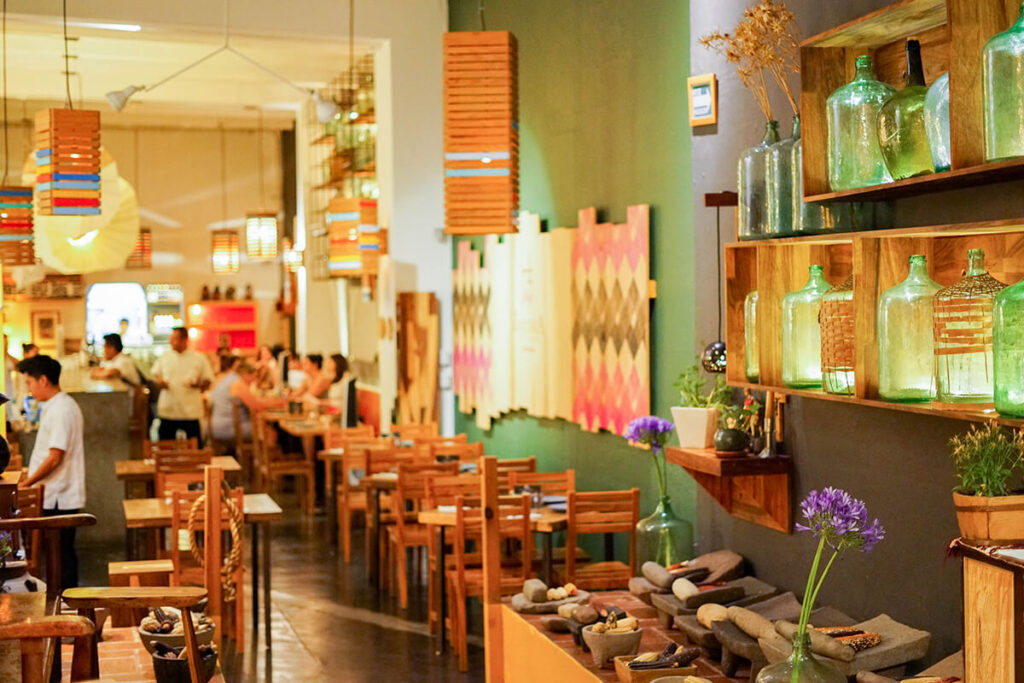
x,y
714,356
16,240
356,240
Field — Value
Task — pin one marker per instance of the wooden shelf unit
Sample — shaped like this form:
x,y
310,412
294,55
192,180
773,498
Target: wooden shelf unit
x,y
878,261
952,34
207,320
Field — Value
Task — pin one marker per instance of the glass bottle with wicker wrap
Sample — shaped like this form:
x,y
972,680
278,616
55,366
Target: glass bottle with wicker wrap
x,y
906,342
801,333
752,187
750,346
1008,350
963,335
854,155
901,131
838,346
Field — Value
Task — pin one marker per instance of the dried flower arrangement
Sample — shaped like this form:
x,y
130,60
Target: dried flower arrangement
x,y
762,43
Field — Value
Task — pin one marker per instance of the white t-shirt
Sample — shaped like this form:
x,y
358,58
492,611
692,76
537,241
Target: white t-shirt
x,y
179,401
124,364
61,427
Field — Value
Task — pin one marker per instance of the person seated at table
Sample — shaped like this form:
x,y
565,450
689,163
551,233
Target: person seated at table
x,y
294,376
341,393
315,383
225,364
117,366
234,390
267,373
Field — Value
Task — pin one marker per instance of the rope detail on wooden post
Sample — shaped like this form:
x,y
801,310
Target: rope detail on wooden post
x,y
234,557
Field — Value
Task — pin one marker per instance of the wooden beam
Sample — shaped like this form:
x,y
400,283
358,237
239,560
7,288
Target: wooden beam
x,y
493,645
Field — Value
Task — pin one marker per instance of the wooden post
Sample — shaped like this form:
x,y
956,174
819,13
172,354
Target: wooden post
x,y
212,555
493,645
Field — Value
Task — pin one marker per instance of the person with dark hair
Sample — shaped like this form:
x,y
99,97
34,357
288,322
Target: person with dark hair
x,y
58,458
182,375
342,391
234,390
315,382
29,350
116,365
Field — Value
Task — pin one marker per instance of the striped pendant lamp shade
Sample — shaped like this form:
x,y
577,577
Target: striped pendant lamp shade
x,y
357,241
67,162
16,239
481,132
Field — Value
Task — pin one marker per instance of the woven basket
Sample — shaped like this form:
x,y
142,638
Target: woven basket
x,y
837,332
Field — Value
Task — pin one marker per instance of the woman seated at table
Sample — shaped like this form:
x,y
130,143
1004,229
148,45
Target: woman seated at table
x,y
268,375
341,394
314,382
234,390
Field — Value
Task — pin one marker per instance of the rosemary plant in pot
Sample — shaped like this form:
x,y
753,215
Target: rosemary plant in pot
x,y
989,462
696,416
840,522
663,537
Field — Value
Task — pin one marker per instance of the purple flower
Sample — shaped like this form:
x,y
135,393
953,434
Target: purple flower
x,y
649,429
841,519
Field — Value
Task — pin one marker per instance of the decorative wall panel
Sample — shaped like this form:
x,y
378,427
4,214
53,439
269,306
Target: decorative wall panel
x,y
528,292
471,361
558,319
419,330
498,381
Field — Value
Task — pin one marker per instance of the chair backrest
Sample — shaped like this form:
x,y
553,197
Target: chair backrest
x,y
463,452
444,489
411,488
507,467
30,504
412,432
513,524
336,437
601,512
177,468
149,448
431,440
549,483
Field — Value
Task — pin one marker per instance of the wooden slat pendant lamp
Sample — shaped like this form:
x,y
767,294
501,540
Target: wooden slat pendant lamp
x,y
357,241
67,162
481,132
16,240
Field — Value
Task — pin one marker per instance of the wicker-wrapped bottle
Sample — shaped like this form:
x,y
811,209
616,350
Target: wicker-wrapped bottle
x,y
750,347
963,335
837,341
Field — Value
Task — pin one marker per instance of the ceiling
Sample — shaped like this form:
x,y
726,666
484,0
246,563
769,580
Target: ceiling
x,y
105,60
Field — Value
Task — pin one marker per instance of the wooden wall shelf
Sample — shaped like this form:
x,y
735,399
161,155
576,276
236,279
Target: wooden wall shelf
x,y
753,489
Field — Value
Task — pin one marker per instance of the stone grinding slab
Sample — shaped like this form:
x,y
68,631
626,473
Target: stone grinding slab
x,y
520,604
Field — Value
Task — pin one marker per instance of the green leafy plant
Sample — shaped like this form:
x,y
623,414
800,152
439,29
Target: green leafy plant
x,y
988,460
693,393
743,417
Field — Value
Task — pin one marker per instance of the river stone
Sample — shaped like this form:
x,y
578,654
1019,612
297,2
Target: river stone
x,y
535,590
584,614
657,574
565,611
555,624
520,604
683,589
751,623
710,612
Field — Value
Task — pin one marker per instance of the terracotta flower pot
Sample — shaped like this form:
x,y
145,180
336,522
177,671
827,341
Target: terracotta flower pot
x,y
695,426
989,521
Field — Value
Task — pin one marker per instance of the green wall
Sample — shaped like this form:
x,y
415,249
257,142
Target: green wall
x,y
603,122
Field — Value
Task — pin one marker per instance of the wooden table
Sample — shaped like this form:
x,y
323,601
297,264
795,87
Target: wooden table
x,y
18,607
144,471
258,509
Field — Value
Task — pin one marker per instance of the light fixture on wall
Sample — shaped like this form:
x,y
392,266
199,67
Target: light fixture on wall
x,y
260,226
714,357
326,109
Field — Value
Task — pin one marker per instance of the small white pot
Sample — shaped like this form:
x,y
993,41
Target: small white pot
x,y
695,426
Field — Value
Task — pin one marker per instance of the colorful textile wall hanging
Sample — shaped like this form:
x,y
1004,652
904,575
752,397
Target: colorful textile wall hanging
x,y
497,383
481,132
67,162
611,332
558,320
471,293
356,240
16,239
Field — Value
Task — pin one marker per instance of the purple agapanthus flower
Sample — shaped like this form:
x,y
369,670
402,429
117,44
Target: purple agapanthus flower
x,y
841,520
649,429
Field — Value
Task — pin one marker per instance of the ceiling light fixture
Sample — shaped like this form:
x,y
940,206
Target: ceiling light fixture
x,y
326,109
103,26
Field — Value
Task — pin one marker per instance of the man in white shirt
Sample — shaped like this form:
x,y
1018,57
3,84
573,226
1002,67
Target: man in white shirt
x,y
182,375
58,458
117,366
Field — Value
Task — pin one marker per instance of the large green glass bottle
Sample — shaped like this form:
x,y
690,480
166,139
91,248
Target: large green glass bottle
x,y
1008,350
1003,92
906,343
780,183
750,345
901,130
752,186
854,155
963,335
815,217
801,333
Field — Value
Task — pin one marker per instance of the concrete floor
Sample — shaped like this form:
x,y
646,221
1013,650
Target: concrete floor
x,y
328,623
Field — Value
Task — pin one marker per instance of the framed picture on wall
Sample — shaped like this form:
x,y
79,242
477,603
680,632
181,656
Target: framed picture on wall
x,y
44,330
702,92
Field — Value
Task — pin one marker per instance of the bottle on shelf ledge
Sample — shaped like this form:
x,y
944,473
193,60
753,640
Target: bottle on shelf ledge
x,y
1003,92
750,346
838,346
901,130
780,181
751,185
816,217
801,333
1008,350
854,155
906,342
963,335
936,122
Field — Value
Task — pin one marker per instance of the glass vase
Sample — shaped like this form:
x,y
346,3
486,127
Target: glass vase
x,y
906,343
801,667
663,537
750,347
801,333
780,183
1003,92
963,335
751,185
837,339
854,155
936,122
1008,350
901,130
816,217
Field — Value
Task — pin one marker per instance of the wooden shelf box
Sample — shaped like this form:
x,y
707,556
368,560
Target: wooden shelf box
x,y
208,320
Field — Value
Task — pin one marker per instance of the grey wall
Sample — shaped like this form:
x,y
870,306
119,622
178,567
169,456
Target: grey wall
x,y
897,462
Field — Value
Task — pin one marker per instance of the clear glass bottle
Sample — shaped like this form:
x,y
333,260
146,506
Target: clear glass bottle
x,y
936,122
801,667
751,185
963,335
854,155
816,217
906,342
780,183
838,347
1008,350
750,346
663,537
801,333
901,131
1003,92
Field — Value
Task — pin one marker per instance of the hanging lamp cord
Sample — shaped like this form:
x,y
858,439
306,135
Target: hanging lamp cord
x,y
718,258
223,176
259,155
7,146
67,61
483,19
352,79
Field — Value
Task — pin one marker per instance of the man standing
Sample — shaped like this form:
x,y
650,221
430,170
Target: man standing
x,y
116,365
182,375
58,458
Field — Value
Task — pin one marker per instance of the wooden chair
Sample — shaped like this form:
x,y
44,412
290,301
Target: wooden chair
x,y
272,465
601,512
30,504
465,581
410,491
181,467
151,447
511,465
444,490
352,497
34,634
412,432
463,452
549,483
244,448
437,439
136,573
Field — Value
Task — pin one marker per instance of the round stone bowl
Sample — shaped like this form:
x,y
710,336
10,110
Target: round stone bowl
x,y
605,647
149,640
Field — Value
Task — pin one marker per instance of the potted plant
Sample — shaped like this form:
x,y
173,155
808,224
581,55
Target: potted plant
x,y
989,462
736,424
696,416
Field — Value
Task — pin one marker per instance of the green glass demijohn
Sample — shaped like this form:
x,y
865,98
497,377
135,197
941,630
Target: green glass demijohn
x,y
854,155
906,342
780,183
801,333
752,185
801,667
1008,350
750,346
663,537
936,122
1003,92
901,129
814,217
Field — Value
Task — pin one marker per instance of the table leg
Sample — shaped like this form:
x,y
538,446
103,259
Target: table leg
x,y
266,585
308,446
255,530
547,569
442,599
332,499
373,538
